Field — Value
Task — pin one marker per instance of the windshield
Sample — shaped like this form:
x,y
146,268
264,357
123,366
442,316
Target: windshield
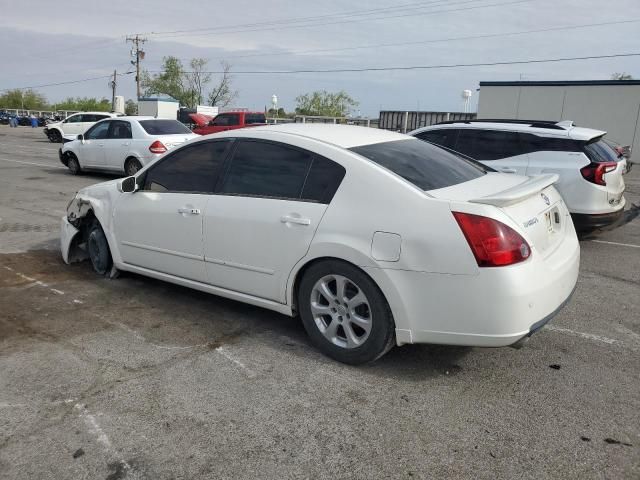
x,y
426,166
163,127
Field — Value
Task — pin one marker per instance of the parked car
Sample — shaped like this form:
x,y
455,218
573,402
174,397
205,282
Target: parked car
x,y
123,144
226,121
590,172
374,238
74,125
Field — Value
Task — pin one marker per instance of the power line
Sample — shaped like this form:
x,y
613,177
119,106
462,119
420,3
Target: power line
x,y
436,40
282,27
282,21
68,82
423,67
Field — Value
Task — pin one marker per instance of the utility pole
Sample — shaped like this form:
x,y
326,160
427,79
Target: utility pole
x,y
138,53
113,84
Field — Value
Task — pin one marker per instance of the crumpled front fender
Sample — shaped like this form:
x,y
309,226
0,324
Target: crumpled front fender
x,y
68,234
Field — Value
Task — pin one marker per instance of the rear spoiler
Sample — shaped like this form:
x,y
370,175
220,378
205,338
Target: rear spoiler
x,y
518,193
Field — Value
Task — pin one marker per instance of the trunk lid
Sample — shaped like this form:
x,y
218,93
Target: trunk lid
x,y
533,203
171,141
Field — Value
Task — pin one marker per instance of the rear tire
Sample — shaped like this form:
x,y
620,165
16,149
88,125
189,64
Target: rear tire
x,y
98,249
344,313
73,164
131,166
55,136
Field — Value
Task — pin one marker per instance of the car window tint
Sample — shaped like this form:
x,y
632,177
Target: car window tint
x,y
444,136
535,143
488,144
163,127
323,180
98,131
425,165
74,119
194,168
119,129
599,151
250,118
267,170
226,119
88,118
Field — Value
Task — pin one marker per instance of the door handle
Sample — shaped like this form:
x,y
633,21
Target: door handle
x,y
507,170
189,211
296,220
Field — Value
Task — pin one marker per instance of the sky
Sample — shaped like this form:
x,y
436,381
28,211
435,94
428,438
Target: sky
x,y
44,42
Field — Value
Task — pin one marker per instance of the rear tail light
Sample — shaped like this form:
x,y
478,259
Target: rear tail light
x,y
157,147
493,243
594,172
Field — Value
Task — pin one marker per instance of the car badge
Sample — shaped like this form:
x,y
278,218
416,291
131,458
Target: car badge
x,y
546,199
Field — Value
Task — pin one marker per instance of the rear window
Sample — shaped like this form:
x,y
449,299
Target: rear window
x,y
163,127
426,166
250,118
599,151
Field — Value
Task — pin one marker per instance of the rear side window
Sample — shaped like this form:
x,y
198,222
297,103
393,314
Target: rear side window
x,y
192,169
426,166
488,144
119,129
599,151
534,143
267,170
163,127
250,118
445,137
323,180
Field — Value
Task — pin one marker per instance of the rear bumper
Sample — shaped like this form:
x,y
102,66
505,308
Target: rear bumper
x,y
583,221
495,308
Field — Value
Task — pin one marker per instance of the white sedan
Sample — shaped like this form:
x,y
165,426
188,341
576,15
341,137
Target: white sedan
x,y
123,144
374,238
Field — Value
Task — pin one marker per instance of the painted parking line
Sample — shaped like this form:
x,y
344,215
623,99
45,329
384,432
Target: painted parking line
x,y
33,163
616,243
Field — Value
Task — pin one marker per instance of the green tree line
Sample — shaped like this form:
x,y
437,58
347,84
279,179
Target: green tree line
x,y
33,100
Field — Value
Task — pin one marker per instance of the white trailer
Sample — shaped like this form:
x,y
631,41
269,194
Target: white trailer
x,y
160,107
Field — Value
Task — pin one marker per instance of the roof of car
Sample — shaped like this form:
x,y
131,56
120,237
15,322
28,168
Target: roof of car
x,y
537,127
345,136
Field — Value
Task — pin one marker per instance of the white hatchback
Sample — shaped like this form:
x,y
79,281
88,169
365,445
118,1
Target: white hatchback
x,y
590,171
74,125
123,144
374,238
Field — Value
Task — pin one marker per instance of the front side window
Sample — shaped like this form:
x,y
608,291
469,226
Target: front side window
x,y
119,129
74,119
191,169
445,137
426,166
267,170
226,120
98,132
488,144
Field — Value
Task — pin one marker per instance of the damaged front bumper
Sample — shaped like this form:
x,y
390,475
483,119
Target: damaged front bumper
x,y
67,234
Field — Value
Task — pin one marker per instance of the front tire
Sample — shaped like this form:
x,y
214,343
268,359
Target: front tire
x,y
344,313
98,249
131,166
73,164
55,136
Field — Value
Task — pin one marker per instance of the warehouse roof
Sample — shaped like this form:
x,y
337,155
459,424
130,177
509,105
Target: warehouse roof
x,y
560,83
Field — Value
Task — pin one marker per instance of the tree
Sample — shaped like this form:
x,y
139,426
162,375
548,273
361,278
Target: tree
x,y
222,95
621,76
27,99
190,87
130,107
326,104
85,104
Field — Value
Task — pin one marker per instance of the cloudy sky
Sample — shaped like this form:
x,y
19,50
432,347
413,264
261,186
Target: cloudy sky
x,y
45,42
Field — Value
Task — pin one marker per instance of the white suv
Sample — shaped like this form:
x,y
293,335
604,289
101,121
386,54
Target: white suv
x,y
590,171
74,125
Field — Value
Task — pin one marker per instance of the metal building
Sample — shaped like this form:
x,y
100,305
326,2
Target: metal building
x,y
610,105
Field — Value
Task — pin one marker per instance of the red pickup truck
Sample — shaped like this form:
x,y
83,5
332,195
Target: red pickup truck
x,y
226,121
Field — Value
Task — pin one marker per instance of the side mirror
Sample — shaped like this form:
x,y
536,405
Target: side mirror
x,y
128,185
80,137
